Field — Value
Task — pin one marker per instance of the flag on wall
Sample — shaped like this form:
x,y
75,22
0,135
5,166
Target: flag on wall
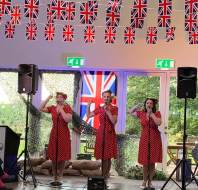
x,y
31,9
15,15
50,15
190,22
58,9
110,34
129,35
68,33
170,34
5,6
151,37
93,84
193,37
49,31
88,12
70,10
89,34
31,31
164,13
138,13
191,7
113,16
9,30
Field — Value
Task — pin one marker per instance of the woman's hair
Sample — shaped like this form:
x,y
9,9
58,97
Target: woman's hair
x,y
155,101
62,94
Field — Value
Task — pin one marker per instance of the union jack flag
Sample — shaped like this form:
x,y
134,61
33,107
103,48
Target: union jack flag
x,y
70,10
68,33
5,6
129,35
193,37
15,15
114,5
151,37
49,31
137,22
190,22
113,17
93,84
110,34
58,8
164,13
89,34
88,12
9,30
139,9
191,6
31,9
31,31
50,15
170,33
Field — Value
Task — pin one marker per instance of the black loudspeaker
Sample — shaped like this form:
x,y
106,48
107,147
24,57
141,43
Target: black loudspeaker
x,y
186,82
27,79
96,183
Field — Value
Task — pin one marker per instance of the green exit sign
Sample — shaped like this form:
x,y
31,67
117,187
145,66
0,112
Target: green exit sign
x,y
75,61
165,63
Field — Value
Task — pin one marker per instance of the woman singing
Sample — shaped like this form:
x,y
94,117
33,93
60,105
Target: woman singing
x,y
61,115
149,119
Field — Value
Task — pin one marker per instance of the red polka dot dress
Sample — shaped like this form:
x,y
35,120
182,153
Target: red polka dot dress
x,y
155,140
64,142
106,146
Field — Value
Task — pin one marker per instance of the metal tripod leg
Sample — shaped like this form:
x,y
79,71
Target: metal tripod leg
x,y
193,175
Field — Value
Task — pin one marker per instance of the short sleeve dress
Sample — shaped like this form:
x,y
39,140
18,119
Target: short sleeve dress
x,y
105,146
155,140
62,147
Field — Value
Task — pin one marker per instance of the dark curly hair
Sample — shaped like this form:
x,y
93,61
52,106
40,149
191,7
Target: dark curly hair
x,y
155,101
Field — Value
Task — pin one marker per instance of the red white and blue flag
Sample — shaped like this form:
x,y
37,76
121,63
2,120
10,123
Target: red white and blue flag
x,y
164,13
15,15
110,34
193,37
93,84
5,6
191,7
170,33
31,9
68,33
9,30
49,31
58,9
151,37
89,34
190,23
70,10
31,31
129,35
113,16
88,12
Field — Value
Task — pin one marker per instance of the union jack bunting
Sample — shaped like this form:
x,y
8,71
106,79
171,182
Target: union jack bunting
x,y
9,30
89,34
93,84
139,9
49,31
191,7
190,22
50,15
170,33
151,37
114,4
70,10
5,6
88,12
129,35
137,23
193,37
31,9
112,17
58,9
15,15
31,31
164,13
68,33
110,34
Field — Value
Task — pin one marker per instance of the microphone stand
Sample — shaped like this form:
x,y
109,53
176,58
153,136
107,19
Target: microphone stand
x,y
149,155
56,183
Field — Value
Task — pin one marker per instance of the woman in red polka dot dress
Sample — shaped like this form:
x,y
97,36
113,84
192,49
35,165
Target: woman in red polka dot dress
x,y
105,146
61,115
149,118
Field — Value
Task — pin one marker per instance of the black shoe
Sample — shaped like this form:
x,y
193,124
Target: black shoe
x,y
5,188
